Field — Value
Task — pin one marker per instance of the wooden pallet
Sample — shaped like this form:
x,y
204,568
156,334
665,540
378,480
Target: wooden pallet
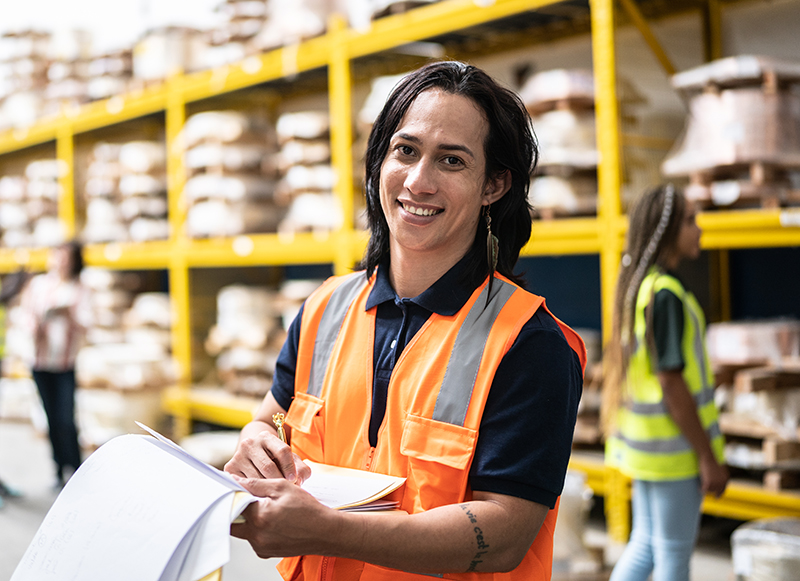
x,y
766,379
775,460
758,185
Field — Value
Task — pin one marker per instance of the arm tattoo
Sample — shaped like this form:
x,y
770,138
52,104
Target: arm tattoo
x,y
483,548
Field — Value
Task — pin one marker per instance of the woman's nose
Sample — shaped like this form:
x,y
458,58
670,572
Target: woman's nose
x,y
421,178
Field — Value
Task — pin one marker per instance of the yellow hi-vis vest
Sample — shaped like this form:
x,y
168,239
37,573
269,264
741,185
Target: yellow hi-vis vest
x,y
648,445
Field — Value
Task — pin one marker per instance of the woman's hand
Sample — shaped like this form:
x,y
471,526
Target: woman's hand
x,y
286,521
713,476
264,455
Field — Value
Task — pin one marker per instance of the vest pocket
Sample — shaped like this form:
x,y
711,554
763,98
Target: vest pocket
x,y
307,422
439,456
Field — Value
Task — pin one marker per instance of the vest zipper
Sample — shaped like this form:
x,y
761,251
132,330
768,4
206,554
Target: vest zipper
x,y
323,570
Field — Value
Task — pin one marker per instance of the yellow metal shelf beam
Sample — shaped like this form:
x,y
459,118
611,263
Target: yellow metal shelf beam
x,y
31,259
210,406
433,20
640,23
130,255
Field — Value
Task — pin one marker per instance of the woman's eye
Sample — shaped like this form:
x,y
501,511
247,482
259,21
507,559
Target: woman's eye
x,y
405,149
452,160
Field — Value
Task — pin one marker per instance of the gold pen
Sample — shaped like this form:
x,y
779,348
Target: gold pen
x,y
277,419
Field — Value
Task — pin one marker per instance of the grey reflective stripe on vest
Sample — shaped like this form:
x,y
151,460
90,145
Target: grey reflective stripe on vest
x,y
659,408
465,359
669,445
699,352
329,326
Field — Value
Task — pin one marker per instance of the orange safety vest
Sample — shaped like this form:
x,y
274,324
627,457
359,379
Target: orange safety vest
x,y
436,398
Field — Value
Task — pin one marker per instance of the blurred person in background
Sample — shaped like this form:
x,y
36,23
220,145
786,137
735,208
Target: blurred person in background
x,y
658,394
9,289
56,306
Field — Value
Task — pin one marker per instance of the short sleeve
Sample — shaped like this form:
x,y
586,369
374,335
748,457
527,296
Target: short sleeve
x,y
668,330
525,437
283,379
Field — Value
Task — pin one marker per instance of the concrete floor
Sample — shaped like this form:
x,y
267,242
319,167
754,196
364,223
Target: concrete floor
x,y
25,464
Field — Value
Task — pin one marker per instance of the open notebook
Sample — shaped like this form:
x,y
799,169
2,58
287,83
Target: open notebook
x,y
141,508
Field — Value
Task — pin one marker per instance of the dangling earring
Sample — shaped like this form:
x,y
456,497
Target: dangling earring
x,y
492,243
492,248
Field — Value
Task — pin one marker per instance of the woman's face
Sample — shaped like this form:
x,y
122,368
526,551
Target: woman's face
x,y
60,262
687,244
432,182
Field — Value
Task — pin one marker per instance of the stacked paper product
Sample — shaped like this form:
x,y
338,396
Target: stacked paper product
x,y
231,185
23,76
289,22
29,209
127,359
125,192
249,332
18,350
165,51
766,549
741,143
14,223
245,339
67,71
561,104
757,364
109,73
753,342
307,176
242,20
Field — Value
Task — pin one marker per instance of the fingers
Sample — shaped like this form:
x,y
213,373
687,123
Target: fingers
x,y
265,456
303,470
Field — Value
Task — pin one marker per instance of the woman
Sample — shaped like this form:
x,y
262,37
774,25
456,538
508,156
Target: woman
x,y
658,406
432,363
56,304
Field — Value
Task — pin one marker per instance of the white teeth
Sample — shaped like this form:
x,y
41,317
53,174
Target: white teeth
x,y
420,211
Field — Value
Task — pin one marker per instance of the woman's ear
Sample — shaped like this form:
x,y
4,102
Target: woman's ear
x,y
497,186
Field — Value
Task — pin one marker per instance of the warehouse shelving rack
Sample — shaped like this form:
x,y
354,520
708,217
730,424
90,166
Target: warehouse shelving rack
x,y
465,27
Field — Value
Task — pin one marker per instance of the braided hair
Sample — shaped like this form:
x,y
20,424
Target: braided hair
x,y
654,224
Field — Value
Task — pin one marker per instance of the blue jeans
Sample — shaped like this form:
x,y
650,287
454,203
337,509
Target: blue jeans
x,y
57,390
666,517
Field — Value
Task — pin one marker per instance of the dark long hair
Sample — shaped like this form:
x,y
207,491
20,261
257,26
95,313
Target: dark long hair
x,y
654,224
510,146
74,250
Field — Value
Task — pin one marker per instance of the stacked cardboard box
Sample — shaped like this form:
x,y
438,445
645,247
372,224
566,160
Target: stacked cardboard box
x,y
741,145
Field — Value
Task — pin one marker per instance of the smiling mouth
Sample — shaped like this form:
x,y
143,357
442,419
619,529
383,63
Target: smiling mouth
x,y
420,211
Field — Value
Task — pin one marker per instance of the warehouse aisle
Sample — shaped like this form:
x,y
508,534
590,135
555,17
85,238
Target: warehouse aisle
x,y
25,464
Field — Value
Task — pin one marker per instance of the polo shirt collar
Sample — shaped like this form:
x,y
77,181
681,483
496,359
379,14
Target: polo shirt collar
x,y
444,297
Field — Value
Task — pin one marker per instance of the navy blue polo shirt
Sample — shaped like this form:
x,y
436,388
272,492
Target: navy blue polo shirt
x,y
525,435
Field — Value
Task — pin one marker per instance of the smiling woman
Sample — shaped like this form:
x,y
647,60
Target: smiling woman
x,y
431,364
433,185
